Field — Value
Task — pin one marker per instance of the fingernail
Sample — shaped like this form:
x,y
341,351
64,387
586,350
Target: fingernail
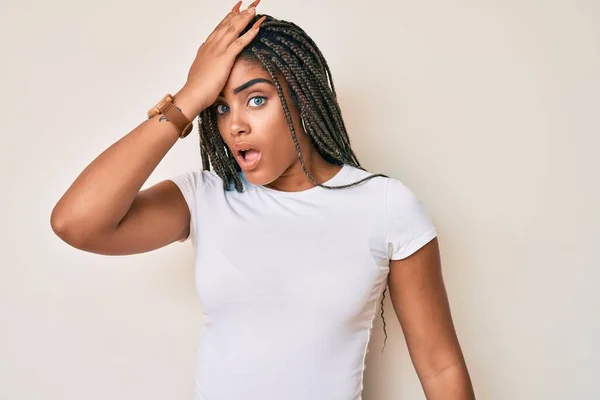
x,y
259,22
236,8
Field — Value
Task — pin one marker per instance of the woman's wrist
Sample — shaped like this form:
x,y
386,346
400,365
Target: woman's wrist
x,y
188,103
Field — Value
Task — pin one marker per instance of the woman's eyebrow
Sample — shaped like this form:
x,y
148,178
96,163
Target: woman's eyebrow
x,y
248,84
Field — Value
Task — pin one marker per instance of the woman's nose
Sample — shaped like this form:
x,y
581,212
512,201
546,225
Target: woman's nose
x,y
239,126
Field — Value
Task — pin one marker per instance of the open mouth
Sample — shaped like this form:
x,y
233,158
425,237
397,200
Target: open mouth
x,y
248,158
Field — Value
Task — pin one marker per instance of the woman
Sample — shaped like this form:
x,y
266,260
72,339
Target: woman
x,y
295,242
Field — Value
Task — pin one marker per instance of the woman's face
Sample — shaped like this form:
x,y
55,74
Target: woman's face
x,y
253,124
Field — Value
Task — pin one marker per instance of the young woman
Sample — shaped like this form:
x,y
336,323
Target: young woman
x,y
295,242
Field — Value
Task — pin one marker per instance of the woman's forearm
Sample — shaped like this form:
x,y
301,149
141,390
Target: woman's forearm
x,y
452,383
103,192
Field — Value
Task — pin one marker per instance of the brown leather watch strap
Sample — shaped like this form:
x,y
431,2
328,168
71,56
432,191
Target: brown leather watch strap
x,y
175,116
172,114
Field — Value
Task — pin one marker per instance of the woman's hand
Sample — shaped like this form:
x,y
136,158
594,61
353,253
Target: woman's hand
x,y
214,60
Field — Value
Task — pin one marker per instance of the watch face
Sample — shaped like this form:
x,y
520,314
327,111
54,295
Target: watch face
x,y
156,109
162,103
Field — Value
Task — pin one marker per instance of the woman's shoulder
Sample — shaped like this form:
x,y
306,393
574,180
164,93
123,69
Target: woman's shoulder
x,y
395,191
371,181
197,180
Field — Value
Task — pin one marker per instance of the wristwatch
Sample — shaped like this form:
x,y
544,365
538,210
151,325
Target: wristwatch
x,y
166,107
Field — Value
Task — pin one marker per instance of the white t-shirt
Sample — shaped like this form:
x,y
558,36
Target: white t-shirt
x,y
289,281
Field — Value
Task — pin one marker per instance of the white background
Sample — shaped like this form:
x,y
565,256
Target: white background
x,y
489,110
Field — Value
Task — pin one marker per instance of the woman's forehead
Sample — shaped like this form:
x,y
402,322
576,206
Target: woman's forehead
x,y
243,70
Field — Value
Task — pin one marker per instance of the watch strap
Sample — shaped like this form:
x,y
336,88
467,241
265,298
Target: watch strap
x,y
173,114
177,118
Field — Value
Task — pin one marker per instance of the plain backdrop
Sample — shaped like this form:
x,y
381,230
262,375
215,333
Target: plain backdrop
x,y
488,110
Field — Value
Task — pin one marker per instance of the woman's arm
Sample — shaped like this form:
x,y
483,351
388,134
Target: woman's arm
x,y
420,301
103,211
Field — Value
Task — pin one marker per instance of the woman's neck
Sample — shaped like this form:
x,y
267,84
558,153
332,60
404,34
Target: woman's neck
x,y
295,180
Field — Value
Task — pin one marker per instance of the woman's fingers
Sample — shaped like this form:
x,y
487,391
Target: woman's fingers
x,y
236,8
214,60
225,22
254,3
257,24
238,45
234,22
215,32
230,31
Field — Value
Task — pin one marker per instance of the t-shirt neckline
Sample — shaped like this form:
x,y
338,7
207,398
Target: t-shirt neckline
x,y
331,181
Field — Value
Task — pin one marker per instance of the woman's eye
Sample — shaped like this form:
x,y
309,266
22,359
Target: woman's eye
x,y
222,108
257,101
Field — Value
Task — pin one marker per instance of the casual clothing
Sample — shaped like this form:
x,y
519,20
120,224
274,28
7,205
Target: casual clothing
x,y
289,281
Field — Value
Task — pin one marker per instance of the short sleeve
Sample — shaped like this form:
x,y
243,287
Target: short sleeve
x,y
408,225
191,184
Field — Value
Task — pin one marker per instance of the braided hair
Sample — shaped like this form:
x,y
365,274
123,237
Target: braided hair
x,y
283,48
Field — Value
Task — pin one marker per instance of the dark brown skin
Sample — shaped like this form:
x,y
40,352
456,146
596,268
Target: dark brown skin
x,y
265,128
105,212
418,294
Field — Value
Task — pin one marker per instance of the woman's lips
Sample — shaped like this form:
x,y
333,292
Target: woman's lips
x,y
249,159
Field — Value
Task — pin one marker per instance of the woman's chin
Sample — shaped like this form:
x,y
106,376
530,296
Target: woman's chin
x,y
260,176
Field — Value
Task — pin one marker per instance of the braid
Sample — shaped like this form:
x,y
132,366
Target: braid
x,y
299,35
329,96
309,86
284,49
332,150
214,151
286,110
383,319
